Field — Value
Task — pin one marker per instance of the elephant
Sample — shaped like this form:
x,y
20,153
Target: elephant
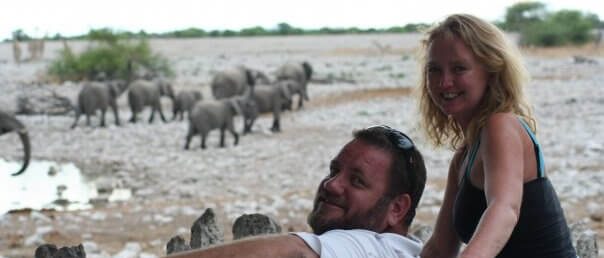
x,y
214,114
234,82
9,123
98,96
147,93
184,101
300,72
270,98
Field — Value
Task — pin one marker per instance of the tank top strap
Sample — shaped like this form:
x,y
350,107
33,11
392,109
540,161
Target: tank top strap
x,y
540,162
472,157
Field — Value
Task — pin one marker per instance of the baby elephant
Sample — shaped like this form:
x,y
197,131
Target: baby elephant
x,y
270,98
147,93
209,115
98,96
184,101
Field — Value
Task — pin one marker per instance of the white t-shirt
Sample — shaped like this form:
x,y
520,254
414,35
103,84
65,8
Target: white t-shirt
x,y
361,243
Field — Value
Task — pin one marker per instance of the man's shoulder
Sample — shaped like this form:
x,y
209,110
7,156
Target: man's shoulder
x,y
362,242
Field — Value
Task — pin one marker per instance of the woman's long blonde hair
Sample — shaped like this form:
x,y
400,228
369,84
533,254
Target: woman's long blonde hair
x,y
504,93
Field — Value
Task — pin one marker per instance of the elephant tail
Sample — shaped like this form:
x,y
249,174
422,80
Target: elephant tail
x,y
26,149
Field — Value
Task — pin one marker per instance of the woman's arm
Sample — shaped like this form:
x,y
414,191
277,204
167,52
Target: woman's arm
x,y
502,158
444,242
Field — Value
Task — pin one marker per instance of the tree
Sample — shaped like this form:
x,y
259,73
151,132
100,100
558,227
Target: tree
x,y
523,14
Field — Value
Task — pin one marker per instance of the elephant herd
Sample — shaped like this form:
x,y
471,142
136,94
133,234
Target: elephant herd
x,y
236,91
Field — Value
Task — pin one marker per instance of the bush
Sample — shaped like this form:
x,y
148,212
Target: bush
x,y
109,55
565,27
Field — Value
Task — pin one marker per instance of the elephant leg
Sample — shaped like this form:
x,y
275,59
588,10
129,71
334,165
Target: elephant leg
x,y
190,133
235,135
174,114
115,113
103,117
152,116
203,140
161,113
77,118
133,117
300,101
87,119
276,126
222,137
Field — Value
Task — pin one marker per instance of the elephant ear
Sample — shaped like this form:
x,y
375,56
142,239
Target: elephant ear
x,y
235,106
285,91
114,91
197,95
249,77
307,70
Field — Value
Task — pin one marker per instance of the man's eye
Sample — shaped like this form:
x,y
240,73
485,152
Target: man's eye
x,y
356,181
332,172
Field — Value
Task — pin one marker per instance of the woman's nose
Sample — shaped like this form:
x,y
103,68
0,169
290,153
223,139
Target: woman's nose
x,y
446,80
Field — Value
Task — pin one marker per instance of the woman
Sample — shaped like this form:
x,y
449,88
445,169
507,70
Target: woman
x,y
497,200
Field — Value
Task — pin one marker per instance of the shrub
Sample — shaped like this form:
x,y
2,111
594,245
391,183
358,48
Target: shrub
x,y
108,54
565,27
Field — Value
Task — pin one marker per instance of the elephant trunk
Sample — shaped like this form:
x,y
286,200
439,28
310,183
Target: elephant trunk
x,y
26,149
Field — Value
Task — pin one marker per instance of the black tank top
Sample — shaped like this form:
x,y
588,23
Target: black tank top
x,y
541,230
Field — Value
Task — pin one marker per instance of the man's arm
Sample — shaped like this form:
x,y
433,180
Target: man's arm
x,y
277,246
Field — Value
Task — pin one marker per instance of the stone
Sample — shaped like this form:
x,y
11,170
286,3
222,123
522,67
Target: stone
x,y
584,239
587,244
205,231
254,224
176,244
51,251
46,251
71,252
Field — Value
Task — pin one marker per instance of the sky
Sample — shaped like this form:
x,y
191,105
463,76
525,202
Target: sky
x,y
75,17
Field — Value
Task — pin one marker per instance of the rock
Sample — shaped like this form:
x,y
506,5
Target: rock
x,y
46,251
587,244
584,239
51,251
177,244
71,252
254,224
205,231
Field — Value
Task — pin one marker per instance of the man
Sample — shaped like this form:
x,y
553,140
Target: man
x,y
363,208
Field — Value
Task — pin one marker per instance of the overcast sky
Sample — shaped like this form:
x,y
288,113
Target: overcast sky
x,y
73,17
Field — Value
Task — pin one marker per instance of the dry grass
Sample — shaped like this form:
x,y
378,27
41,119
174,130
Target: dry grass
x,y
551,52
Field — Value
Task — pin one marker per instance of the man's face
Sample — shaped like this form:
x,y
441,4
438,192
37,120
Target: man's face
x,y
352,196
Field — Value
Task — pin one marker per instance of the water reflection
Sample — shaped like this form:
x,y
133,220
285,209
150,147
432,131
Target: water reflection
x,y
49,185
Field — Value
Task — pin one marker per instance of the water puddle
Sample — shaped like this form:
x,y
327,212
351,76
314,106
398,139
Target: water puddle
x,y
51,185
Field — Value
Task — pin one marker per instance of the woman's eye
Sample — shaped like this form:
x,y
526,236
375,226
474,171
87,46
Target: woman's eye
x,y
432,69
459,69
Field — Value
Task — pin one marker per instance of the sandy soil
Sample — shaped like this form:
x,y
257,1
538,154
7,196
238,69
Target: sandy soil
x,y
361,80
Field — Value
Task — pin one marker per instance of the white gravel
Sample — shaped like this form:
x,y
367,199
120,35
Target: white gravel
x,y
271,173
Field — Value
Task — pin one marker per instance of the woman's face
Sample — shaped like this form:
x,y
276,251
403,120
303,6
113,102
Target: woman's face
x,y
457,81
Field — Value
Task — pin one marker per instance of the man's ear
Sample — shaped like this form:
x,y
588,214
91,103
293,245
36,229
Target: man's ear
x,y
399,206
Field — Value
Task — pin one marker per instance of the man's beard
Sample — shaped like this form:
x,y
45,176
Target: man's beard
x,y
368,220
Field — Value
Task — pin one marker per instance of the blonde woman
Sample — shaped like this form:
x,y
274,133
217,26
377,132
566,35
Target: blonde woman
x,y
498,200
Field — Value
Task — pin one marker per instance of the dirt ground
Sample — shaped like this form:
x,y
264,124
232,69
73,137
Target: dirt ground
x,y
359,80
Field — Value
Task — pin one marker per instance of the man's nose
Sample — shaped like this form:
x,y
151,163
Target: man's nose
x,y
334,185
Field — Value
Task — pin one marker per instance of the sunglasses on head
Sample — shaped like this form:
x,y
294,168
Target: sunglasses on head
x,y
396,137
